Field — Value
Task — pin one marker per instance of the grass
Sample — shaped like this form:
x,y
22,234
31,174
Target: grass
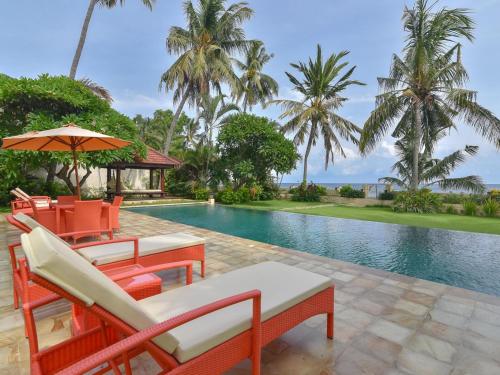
x,y
384,215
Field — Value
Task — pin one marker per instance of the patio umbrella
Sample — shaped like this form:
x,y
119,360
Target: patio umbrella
x,y
70,137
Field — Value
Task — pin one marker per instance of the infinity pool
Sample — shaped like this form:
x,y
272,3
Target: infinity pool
x,y
466,260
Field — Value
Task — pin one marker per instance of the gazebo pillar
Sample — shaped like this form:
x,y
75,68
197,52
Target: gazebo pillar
x,y
108,181
162,182
151,178
118,188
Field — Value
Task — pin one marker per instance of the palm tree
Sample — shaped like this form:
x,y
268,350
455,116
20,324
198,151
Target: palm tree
x,y
424,93
255,86
321,88
213,114
433,171
205,46
83,33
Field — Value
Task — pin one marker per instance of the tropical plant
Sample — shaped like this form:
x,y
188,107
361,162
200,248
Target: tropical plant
x,y
315,115
255,86
205,49
490,207
49,102
433,171
424,94
422,201
153,130
347,191
308,193
252,148
470,207
214,112
83,33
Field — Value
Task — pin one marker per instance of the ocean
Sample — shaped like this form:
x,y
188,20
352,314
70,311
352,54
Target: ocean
x,y
377,188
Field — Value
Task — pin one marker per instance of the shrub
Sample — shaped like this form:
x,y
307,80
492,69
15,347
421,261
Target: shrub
x,y
494,194
347,191
453,198
451,210
490,207
201,194
470,207
242,195
227,196
423,201
308,193
255,192
269,191
387,196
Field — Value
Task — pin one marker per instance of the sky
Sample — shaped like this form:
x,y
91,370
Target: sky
x,y
125,52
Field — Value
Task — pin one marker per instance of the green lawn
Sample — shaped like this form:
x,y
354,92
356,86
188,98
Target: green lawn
x,y
383,214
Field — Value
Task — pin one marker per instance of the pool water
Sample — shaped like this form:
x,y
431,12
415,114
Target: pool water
x,y
466,260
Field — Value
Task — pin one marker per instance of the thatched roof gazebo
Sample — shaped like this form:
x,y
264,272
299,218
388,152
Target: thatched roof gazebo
x,y
154,161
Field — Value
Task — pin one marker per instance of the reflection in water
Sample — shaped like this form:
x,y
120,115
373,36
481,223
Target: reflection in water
x,y
467,260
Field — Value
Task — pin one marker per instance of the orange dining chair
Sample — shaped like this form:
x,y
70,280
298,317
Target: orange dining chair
x,y
114,212
86,216
45,216
66,199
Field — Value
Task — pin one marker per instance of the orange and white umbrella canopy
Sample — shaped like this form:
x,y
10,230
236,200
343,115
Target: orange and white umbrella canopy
x,y
67,138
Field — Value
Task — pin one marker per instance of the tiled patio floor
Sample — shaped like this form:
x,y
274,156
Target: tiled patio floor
x,y
385,323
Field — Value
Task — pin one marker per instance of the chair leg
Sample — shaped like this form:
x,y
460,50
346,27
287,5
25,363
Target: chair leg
x,y
329,325
16,297
202,268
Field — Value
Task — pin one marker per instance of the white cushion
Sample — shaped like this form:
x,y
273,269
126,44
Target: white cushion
x,y
282,287
114,252
58,263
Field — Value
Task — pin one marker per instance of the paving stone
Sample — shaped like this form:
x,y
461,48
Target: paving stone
x,y
378,347
487,316
389,331
485,329
470,363
443,331
420,364
455,307
355,317
447,318
355,362
433,347
411,307
342,276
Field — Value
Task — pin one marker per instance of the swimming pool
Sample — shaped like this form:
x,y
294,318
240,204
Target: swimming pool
x,y
466,260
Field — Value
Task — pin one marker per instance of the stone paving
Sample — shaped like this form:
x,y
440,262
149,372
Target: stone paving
x,y
385,323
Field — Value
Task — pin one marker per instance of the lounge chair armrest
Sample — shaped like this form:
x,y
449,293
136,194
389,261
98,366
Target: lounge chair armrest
x,y
143,336
135,240
12,252
109,232
157,268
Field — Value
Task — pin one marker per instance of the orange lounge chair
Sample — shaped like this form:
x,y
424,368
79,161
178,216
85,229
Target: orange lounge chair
x,y
204,328
114,212
147,252
22,202
86,216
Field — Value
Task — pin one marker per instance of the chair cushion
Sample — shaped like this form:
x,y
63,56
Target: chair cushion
x,y
282,287
55,261
114,252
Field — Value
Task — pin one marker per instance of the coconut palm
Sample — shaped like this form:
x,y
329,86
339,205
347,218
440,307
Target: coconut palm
x,y
213,113
433,171
424,93
83,33
316,114
255,86
213,33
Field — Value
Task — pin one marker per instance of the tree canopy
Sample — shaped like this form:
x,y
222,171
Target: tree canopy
x,y
252,148
49,102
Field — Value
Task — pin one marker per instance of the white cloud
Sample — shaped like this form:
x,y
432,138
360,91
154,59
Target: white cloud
x,y
132,103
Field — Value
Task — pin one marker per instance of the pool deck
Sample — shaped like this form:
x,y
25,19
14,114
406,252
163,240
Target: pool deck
x,y
385,323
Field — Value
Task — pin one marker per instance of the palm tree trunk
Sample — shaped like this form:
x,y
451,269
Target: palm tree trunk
x,y
83,36
306,155
173,125
415,181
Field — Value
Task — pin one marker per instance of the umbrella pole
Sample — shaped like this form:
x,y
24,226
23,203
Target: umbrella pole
x,y
75,163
